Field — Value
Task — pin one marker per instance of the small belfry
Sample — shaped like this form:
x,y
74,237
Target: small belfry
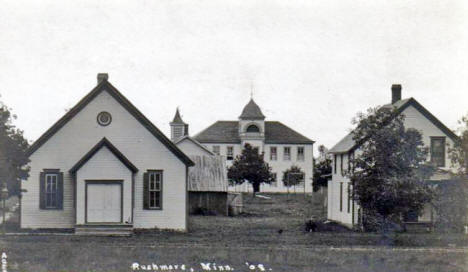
x,y
178,127
252,124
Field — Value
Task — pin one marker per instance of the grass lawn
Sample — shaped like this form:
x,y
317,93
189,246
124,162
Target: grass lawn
x,y
271,232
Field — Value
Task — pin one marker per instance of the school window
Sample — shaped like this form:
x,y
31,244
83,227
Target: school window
x,y
438,151
349,198
274,183
155,189
51,190
341,196
230,153
216,149
273,153
287,153
334,164
300,153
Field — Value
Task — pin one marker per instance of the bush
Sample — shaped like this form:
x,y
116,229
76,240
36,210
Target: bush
x,y
451,205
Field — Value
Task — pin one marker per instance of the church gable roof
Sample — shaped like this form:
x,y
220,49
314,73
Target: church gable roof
x,y
195,142
228,132
104,85
347,143
252,111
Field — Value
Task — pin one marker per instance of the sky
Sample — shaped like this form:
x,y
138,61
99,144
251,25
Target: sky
x,y
309,64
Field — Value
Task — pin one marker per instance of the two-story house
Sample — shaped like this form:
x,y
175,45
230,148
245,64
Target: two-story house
x,y
436,136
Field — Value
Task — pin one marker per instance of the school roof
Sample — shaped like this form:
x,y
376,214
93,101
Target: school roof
x,y
228,132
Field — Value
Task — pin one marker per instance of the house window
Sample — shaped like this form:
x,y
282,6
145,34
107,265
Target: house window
x,y
216,149
334,164
438,151
230,153
341,196
275,180
273,153
300,153
349,198
51,190
153,183
287,153
253,128
341,164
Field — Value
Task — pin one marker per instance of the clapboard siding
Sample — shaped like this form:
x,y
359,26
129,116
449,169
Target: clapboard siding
x,y
130,137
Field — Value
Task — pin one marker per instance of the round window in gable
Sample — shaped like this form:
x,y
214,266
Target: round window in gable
x,y
104,118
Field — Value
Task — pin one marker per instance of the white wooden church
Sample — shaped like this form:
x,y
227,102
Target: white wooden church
x,y
105,165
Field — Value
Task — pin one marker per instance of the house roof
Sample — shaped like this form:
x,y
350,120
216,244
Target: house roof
x,y
347,143
177,119
188,138
228,132
252,111
104,85
103,143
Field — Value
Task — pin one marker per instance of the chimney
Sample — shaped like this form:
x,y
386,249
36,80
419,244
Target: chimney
x,y
101,77
396,93
186,130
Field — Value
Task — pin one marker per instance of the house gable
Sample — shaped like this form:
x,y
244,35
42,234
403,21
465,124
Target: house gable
x,y
347,144
106,86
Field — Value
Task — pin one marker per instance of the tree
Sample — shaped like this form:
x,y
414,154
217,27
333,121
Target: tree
x,y
251,167
458,154
452,196
390,170
293,176
322,169
13,158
